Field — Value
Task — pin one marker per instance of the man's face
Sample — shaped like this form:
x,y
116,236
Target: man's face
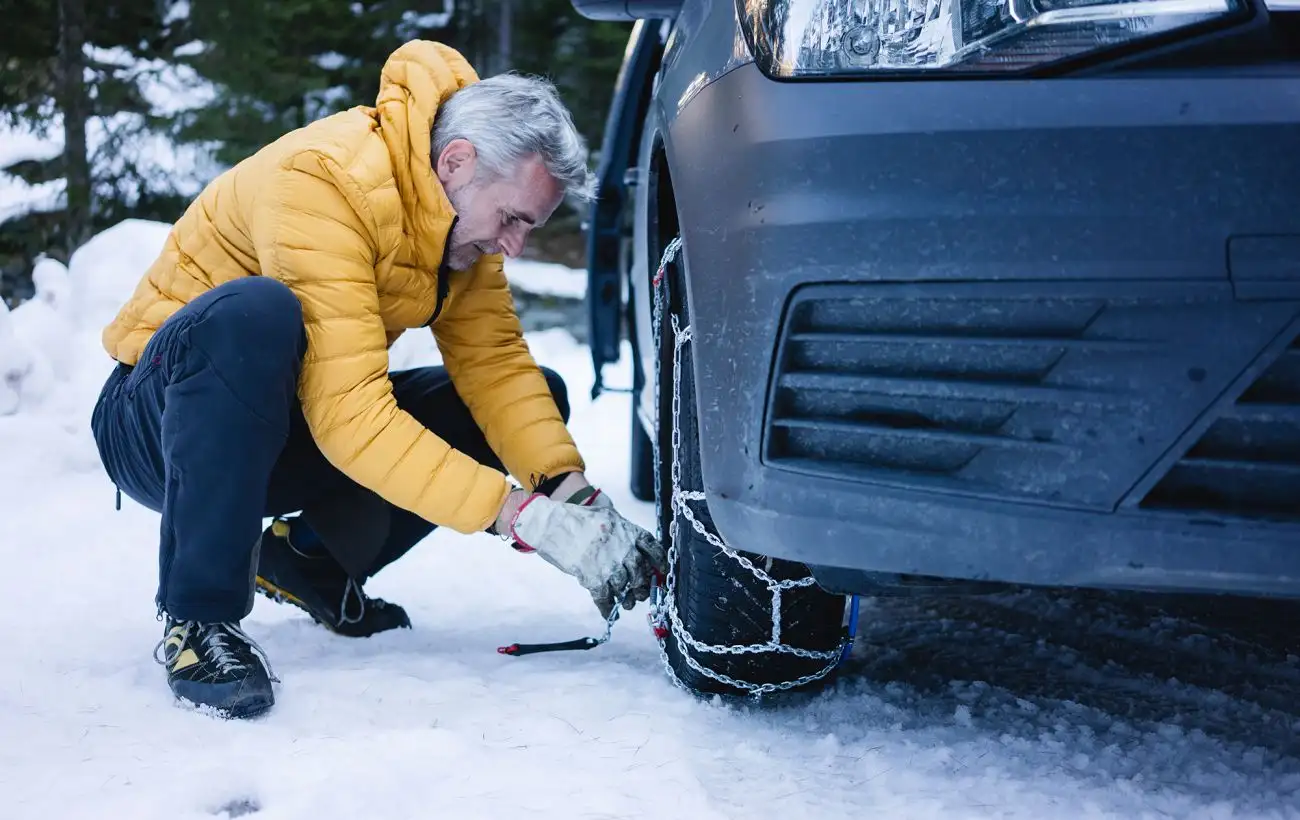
x,y
495,215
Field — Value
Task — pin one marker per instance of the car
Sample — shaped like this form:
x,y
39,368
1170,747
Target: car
x,y
949,296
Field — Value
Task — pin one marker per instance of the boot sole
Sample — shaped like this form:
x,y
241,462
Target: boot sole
x,y
246,713
278,595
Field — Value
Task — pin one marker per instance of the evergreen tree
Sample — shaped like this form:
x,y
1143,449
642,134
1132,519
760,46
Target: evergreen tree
x,y
71,75
79,72
280,65
73,101
582,57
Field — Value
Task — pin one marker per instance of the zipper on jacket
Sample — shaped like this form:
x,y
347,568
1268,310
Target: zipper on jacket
x,y
444,285
444,276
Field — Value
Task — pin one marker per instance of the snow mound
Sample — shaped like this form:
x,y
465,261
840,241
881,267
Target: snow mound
x,y
105,270
15,364
51,356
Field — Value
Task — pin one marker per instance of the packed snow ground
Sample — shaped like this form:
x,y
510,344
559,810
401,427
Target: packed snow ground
x,y
1025,705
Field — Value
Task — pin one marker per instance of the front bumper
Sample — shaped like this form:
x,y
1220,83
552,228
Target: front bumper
x,y
1005,331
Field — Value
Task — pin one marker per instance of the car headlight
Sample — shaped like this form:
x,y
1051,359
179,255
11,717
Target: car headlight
x,y
811,38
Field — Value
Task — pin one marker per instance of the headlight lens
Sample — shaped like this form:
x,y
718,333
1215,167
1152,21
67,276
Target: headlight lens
x,y
801,38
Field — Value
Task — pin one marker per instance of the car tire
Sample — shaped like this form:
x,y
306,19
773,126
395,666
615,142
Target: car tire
x,y
719,601
642,461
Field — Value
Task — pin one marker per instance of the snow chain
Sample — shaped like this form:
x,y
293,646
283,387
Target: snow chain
x,y
663,602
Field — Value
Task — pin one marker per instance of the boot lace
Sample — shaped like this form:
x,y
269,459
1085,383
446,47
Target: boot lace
x,y
352,589
212,637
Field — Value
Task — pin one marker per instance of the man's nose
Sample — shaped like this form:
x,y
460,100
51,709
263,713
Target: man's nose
x,y
513,239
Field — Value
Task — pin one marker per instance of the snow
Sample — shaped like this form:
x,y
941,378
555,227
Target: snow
x,y
177,10
18,197
167,87
20,143
191,49
117,140
547,278
15,363
413,21
325,101
330,61
1022,706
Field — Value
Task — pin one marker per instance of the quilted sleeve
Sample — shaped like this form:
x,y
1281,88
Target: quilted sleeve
x,y
309,235
483,348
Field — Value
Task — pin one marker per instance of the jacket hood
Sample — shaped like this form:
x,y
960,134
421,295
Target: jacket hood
x,y
416,80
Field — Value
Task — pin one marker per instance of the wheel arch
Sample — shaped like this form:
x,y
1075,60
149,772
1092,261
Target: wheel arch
x,y
658,222
665,223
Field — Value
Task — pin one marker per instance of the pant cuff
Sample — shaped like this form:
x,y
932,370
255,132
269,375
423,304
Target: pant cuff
x,y
208,612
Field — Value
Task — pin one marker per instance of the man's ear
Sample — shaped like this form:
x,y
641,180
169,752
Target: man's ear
x,y
455,165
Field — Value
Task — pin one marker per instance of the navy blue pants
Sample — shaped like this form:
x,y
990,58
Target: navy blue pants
x,y
206,429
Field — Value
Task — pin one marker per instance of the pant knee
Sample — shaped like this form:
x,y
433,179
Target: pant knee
x,y
256,318
559,391
260,301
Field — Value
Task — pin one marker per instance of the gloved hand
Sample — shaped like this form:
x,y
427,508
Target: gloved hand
x,y
612,558
571,488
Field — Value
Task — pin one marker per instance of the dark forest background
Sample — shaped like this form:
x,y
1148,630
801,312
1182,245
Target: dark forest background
x,y
113,109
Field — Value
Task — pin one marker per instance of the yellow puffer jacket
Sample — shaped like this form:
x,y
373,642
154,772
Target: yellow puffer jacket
x,y
348,213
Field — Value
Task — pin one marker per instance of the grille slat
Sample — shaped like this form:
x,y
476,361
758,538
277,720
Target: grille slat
x,y
918,434
1028,391
1269,469
948,389
1247,463
1065,343
1265,413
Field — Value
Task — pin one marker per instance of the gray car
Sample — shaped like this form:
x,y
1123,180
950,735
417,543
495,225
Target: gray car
x,y
945,295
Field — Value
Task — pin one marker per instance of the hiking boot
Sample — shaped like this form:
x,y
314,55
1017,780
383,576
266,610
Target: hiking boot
x,y
315,583
216,666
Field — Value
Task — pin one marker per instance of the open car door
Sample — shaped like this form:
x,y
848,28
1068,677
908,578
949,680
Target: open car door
x,y
609,227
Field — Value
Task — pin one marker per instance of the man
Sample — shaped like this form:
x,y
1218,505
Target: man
x,y
253,373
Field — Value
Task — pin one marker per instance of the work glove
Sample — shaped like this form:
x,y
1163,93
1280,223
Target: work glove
x,y
571,488
612,558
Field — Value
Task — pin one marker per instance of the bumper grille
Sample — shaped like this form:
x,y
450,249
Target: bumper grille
x,y
1248,462
1015,392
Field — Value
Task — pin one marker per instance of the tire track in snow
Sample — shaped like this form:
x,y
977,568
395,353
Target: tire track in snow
x,y
1200,697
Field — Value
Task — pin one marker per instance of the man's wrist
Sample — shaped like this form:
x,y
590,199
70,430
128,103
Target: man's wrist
x,y
509,509
573,483
549,486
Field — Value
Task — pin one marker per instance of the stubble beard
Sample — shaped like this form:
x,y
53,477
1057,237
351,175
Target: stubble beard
x,y
461,258
461,254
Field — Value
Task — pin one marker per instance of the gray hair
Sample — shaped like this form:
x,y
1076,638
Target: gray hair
x,y
508,118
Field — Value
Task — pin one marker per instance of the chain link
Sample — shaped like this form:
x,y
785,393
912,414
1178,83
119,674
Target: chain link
x,y
663,606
